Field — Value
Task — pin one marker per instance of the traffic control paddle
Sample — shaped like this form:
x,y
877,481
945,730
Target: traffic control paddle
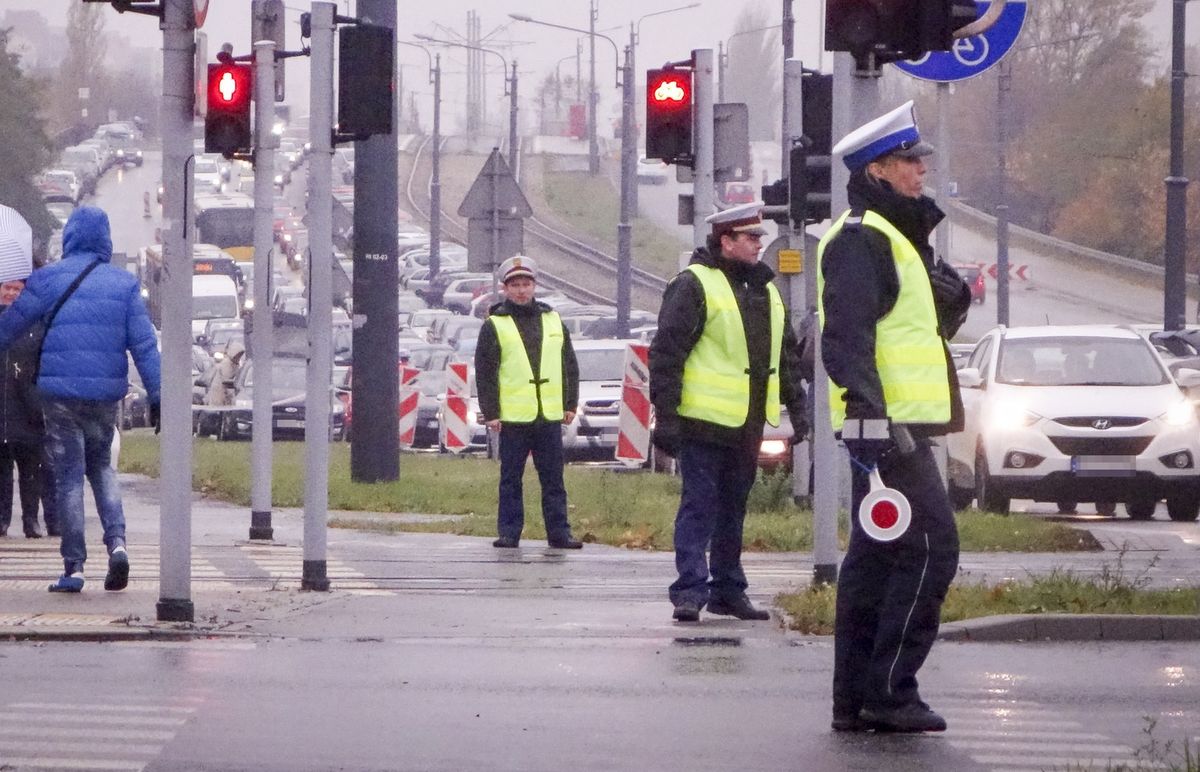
x,y
884,513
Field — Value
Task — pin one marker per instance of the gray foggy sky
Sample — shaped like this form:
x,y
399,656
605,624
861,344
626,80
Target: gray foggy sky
x,y
536,48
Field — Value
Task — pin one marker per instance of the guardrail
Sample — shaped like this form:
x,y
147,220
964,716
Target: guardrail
x,y
1081,257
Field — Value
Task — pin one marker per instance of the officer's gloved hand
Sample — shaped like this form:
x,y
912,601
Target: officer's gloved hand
x,y
666,435
868,440
156,416
799,430
948,287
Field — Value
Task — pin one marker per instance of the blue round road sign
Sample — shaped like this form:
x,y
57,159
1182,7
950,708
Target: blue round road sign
x,y
974,55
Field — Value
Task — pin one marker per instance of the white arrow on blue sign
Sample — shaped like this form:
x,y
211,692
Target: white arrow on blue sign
x,y
974,55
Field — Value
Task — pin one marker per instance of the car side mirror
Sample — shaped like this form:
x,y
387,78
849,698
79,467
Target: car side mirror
x,y
970,378
1187,378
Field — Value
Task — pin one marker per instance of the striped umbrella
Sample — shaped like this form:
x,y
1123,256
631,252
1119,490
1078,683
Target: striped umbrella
x,y
16,245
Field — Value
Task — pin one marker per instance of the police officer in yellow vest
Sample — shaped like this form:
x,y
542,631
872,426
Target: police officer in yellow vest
x,y
528,383
721,364
887,306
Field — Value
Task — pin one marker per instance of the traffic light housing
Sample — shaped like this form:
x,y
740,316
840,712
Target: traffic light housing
x,y
227,125
806,191
669,116
891,30
366,92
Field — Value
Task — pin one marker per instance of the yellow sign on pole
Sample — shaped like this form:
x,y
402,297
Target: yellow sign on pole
x,y
791,261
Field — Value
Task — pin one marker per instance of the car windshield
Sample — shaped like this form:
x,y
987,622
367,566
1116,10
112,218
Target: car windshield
x,y
601,364
207,166
214,307
285,376
421,358
426,318
1078,361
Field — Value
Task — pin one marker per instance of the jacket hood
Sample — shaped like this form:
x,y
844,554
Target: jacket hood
x,y
88,233
914,217
235,349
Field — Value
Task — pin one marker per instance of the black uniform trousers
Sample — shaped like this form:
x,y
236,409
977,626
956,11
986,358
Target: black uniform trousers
x,y
542,440
890,595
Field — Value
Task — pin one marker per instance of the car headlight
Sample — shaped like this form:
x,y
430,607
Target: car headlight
x,y
772,448
249,304
1180,414
1007,415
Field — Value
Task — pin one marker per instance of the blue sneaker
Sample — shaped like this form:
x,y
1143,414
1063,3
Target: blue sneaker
x,y
68,583
118,570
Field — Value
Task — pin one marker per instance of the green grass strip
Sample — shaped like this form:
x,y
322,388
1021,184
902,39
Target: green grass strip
x,y
631,509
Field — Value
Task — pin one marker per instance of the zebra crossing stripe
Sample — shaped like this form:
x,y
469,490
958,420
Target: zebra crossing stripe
x,y
106,707
99,733
53,716
65,746
91,765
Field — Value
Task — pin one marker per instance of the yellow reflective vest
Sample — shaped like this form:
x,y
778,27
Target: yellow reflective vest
x,y
909,355
523,397
716,375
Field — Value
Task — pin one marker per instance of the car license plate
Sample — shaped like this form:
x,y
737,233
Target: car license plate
x,y
289,423
1104,465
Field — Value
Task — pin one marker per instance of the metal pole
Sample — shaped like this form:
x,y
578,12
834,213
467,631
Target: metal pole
x,y
435,182
175,512
319,380
702,184
631,126
943,171
375,452
593,95
579,71
262,334
1004,84
789,36
494,224
512,122
722,64
628,170
1175,258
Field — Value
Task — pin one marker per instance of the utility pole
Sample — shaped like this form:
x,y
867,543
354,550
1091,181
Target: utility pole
x,y
262,334
435,182
512,122
1175,258
375,452
702,182
628,172
788,27
593,95
319,377
175,511
1004,86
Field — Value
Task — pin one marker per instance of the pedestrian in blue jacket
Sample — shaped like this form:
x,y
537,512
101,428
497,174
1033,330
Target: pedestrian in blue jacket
x,y
93,313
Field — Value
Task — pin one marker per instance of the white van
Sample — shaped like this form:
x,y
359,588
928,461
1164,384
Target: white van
x,y
214,296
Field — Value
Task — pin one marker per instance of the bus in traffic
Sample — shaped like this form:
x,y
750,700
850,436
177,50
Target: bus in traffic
x,y
226,220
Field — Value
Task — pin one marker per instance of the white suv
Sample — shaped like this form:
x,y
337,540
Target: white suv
x,y
1071,414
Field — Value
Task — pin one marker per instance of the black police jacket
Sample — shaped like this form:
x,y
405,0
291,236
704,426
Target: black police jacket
x,y
861,287
680,324
487,356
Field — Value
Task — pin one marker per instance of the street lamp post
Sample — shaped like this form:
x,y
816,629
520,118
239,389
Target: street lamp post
x,y
510,90
723,56
435,181
1175,257
593,95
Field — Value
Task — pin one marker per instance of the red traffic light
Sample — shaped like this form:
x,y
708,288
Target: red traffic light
x,y
228,128
228,85
671,90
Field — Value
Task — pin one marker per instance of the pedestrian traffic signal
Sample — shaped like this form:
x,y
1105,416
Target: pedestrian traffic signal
x,y
366,89
669,116
810,191
227,126
891,30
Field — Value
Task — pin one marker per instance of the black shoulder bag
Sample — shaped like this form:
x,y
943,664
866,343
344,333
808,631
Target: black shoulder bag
x,y
49,320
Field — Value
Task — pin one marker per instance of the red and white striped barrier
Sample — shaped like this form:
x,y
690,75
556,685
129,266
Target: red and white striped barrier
x,y
633,425
454,412
410,397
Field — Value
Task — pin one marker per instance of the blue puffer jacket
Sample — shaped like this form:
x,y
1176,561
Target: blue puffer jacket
x,y
83,356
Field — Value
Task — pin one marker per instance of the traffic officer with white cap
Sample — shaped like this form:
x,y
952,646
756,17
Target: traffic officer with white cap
x,y
721,364
528,383
887,307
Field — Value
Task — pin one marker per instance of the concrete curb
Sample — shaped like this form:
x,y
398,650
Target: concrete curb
x,y
1073,627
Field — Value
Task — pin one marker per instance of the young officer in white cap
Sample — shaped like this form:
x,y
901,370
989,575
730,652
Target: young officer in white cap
x,y
887,307
721,365
528,382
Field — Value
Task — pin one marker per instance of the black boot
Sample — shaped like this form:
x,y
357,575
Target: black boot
x,y
913,717
687,611
740,607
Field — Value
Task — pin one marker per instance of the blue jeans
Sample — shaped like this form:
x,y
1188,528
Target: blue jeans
x,y
712,510
544,440
79,436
